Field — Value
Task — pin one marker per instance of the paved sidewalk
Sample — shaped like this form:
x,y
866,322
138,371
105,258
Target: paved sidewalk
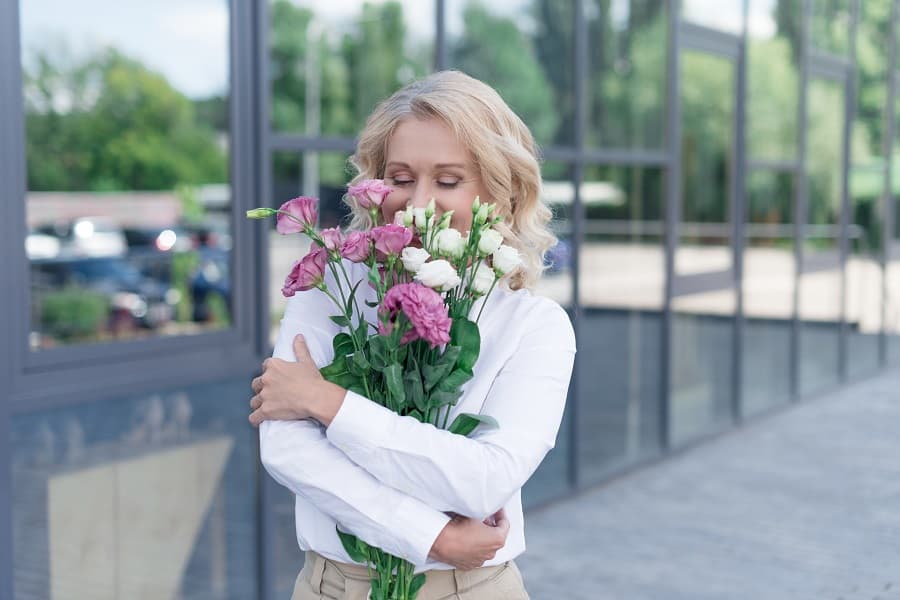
x,y
803,504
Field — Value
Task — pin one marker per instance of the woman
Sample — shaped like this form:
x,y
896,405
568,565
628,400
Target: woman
x,y
447,503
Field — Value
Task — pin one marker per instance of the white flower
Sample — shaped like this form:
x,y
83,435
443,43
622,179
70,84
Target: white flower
x,y
483,279
506,260
490,240
413,258
439,275
421,219
450,242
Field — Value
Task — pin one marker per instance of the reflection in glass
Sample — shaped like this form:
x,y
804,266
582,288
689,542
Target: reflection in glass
x,y
627,85
772,88
702,336
142,497
622,275
707,125
819,293
331,63
831,25
768,290
128,202
524,50
551,480
864,275
726,15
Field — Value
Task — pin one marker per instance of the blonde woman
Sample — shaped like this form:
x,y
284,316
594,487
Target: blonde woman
x,y
447,503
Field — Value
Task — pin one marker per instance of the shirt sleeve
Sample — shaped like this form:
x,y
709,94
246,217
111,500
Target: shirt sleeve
x,y
473,476
299,456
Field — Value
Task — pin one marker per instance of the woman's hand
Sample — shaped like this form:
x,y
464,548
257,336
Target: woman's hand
x,y
293,390
467,543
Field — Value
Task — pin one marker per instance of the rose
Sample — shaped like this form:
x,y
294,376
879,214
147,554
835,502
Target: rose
x,y
390,239
490,240
307,273
356,246
439,275
296,215
450,243
483,279
413,258
370,193
506,259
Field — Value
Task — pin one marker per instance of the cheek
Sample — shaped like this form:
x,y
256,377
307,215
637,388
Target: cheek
x,y
392,203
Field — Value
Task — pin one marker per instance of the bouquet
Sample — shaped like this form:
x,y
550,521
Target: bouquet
x,y
423,346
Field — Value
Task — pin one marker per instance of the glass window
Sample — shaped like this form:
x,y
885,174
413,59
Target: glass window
x,y
141,497
772,87
820,279
892,273
332,62
128,203
707,113
726,15
831,25
525,51
768,290
627,73
622,279
864,275
323,175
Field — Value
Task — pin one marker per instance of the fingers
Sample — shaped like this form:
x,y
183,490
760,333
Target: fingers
x,y
255,402
256,385
256,417
301,352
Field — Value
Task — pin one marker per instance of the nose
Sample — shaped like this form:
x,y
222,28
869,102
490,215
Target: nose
x,y
420,195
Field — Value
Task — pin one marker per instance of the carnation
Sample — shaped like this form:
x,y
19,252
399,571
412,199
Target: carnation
x,y
423,307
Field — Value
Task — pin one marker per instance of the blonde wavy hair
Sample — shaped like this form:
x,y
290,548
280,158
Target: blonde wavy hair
x,y
503,149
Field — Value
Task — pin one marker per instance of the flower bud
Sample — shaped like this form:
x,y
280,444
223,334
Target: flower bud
x,y
445,220
490,240
429,210
506,259
450,243
260,213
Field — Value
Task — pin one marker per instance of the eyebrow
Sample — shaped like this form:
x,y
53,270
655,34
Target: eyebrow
x,y
438,166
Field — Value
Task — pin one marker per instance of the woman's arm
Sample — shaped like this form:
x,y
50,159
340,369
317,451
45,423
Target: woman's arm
x,y
297,455
476,475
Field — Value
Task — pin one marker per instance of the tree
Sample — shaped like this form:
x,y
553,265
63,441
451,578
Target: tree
x,y
494,50
110,123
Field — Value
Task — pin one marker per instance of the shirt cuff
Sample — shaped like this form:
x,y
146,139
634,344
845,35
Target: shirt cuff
x,y
421,528
358,424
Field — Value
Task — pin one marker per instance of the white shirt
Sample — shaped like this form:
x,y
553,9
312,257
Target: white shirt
x,y
389,479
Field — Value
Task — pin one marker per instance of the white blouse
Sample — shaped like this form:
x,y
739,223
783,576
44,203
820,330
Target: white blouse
x,y
390,479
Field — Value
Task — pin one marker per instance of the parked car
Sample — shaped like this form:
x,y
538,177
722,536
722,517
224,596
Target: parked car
x,y
145,301
88,236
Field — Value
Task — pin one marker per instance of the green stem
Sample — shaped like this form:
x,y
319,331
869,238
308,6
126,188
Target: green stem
x,y
486,296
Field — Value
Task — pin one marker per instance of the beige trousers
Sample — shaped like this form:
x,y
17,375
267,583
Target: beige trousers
x,y
325,579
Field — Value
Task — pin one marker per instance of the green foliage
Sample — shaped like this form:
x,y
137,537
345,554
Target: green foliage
x,y
493,49
74,314
110,123
466,423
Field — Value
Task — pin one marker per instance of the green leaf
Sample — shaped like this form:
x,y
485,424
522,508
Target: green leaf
x,y
379,352
348,541
350,299
361,333
371,304
358,388
454,380
343,344
434,373
341,320
414,393
417,582
338,373
464,333
359,359
393,378
374,275
465,423
439,398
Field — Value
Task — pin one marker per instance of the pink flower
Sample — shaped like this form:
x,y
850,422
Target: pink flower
x,y
370,192
356,246
425,310
332,237
390,239
307,273
303,209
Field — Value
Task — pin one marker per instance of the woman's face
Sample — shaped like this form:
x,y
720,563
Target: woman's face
x,y
425,160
